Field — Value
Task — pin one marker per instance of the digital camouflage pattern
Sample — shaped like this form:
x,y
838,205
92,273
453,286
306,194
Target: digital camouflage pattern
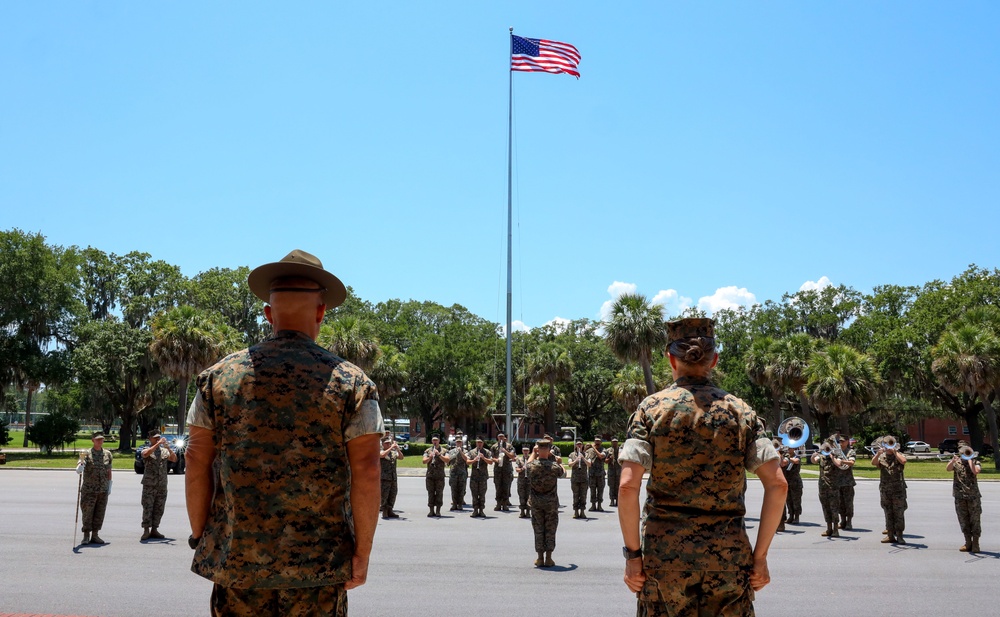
x,y
543,482
479,478
322,601
284,411
845,482
389,479
968,499
696,440
614,474
434,480
690,327
579,480
596,475
94,488
503,474
829,491
458,475
666,594
154,486
892,493
522,482
793,476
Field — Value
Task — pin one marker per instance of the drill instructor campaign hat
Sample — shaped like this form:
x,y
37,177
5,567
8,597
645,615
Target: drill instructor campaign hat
x,y
302,264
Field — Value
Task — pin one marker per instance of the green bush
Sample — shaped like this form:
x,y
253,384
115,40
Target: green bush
x,y
4,435
53,430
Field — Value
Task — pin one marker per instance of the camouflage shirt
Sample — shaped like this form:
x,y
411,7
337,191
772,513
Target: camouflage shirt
x,y
388,463
965,485
614,466
596,462
503,461
435,464
696,440
456,464
480,469
890,471
155,467
281,414
845,477
577,467
522,461
95,473
827,472
543,480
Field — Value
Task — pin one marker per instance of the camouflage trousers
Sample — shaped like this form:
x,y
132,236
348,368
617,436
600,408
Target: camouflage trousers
x,y
695,594
522,492
894,504
614,478
544,522
501,485
969,512
457,484
92,508
477,485
793,502
846,501
325,601
829,499
389,490
579,495
153,500
435,491
596,488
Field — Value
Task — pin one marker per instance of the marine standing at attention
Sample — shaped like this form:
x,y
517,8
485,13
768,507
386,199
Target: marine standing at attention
x,y
543,479
95,465
154,484
282,480
692,555
435,459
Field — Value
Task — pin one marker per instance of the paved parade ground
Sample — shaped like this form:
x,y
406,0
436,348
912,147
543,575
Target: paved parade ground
x,y
457,565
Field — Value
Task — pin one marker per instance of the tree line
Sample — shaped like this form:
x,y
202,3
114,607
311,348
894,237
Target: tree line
x,y
118,338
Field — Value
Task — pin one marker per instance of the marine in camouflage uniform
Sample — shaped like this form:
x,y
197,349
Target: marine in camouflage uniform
x,y
458,474
154,484
968,500
829,491
503,472
695,440
614,472
596,475
543,481
290,432
845,481
522,482
388,456
435,459
479,478
95,465
791,468
892,492
579,480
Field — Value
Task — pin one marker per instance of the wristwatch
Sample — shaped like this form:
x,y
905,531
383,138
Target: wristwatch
x,y
193,542
637,553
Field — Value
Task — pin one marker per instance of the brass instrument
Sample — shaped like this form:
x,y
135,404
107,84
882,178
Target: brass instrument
x,y
967,453
825,450
889,443
793,432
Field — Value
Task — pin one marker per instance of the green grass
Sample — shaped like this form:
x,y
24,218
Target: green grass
x,y
61,460
82,443
920,469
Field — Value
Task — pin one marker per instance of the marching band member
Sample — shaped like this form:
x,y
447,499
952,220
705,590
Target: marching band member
x,y
579,465
436,459
965,490
503,472
388,456
829,492
892,488
481,460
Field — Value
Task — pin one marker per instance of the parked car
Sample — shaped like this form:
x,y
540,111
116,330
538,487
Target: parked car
x,y
948,445
403,437
917,446
177,442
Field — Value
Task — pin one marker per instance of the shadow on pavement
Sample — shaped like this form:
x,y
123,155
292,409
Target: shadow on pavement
x,y
558,568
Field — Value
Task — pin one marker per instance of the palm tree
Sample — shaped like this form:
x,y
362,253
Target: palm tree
x,y
788,365
389,375
550,365
759,361
635,329
352,339
841,381
628,388
967,360
185,342
471,403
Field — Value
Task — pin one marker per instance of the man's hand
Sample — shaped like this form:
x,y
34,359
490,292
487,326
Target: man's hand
x,y
635,578
759,577
359,572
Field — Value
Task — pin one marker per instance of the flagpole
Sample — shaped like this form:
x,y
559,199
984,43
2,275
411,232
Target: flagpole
x,y
510,106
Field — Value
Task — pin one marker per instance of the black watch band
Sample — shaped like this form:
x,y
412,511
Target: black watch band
x,y
193,542
631,554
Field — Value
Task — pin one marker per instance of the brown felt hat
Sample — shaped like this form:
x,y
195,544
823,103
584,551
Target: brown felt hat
x,y
302,264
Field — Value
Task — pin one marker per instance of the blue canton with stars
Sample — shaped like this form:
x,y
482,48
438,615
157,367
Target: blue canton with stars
x,y
521,45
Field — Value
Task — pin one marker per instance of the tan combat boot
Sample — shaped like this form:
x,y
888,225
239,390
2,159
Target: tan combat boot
x,y
548,559
145,534
540,561
975,545
153,533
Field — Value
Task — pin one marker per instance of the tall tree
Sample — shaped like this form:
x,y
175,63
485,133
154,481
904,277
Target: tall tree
x,y
790,357
967,360
550,366
390,376
185,342
634,330
841,381
225,291
629,389
353,339
760,369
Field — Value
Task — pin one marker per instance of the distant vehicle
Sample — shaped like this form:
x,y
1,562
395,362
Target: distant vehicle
x,y
917,446
986,450
403,437
948,445
177,442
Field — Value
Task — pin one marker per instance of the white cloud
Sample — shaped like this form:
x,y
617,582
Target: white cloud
x,y
726,298
515,326
816,285
673,303
559,323
616,290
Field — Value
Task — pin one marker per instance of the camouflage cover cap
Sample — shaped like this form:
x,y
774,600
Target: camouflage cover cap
x,y
97,435
302,264
544,442
690,328
152,434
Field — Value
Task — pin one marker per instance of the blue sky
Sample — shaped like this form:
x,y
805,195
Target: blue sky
x,y
711,153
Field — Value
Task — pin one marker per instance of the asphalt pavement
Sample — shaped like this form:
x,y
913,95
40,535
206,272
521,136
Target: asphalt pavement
x,y
460,565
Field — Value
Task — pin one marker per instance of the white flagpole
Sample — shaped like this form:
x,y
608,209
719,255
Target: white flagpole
x,y
510,105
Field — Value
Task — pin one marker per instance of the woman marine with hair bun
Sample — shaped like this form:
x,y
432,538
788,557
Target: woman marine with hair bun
x,y
692,554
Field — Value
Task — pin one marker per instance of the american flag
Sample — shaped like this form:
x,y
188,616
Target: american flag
x,y
540,55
